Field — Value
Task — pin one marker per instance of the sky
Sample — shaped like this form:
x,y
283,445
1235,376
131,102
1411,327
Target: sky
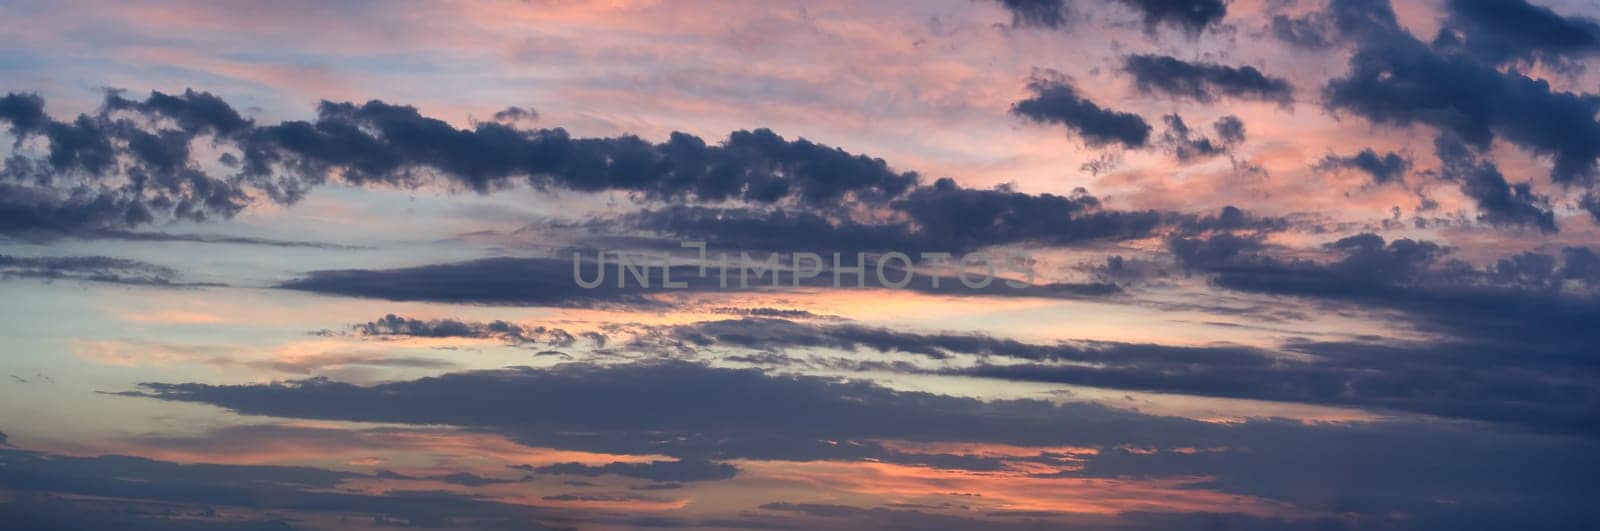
x,y
1124,264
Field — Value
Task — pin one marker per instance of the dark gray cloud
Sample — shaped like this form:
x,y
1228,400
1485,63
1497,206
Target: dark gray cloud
x,y
789,188
311,364
1525,314
150,236
1382,377
1231,219
35,212
1038,13
694,411
1396,79
516,114
604,497
255,488
1501,31
1203,82
25,112
59,513
1386,168
392,325
688,406
1055,101
1191,16
1125,270
146,489
91,268
944,217
193,112
903,516
161,176
781,334
465,479
1499,202
1591,203
1230,129
1310,32
1186,146
1376,375
768,229
685,470
549,282
781,313
379,142
518,281
66,191
1368,267
964,217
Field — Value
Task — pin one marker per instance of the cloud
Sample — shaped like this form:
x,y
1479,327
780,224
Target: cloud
x,y
1230,129
377,143
787,187
145,236
392,325
965,217
780,334
1503,31
1591,203
910,516
1038,13
1368,267
689,470
694,411
769,229
1499,203
1473,313
465,479
193,112
1055,101
1353,374
50,512
30,211
1310,32
307,364
522,281
160,175
1386,168
1191,16
781,313
549,282
1358,374
1204,82
92,268
1185,147
683,403
605,498
144,489
1372,269
1229,218
515,114
944,217
1396,79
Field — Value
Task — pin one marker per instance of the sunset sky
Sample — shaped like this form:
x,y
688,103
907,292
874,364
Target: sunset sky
x,y
1294,264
